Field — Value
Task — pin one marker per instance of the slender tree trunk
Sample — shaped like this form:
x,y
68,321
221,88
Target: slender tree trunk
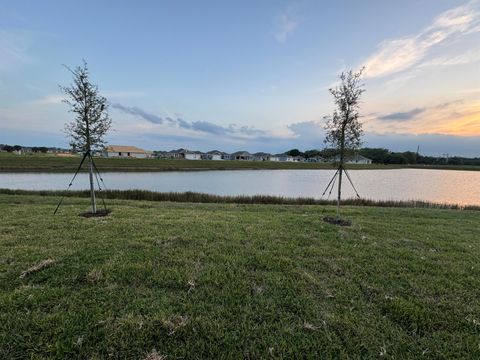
x,y
340,168
339,189
90,162
92,188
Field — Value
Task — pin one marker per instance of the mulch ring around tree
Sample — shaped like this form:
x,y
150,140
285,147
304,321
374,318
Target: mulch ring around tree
x,y
337,221
99,213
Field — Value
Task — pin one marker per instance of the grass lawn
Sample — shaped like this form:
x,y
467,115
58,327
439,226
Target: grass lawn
x,y
53,163
189,280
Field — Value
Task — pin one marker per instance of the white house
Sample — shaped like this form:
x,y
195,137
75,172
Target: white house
x,y
185,154
217,155
121,151
242,155
283,157
262,156
354,159
193,155
359,159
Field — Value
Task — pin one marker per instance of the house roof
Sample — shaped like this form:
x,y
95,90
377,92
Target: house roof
x,y
262,154
216,152
122,148
241,153
184,151
179,151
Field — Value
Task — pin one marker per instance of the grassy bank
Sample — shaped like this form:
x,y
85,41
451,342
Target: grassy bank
x,y
52,163
190,280
194,197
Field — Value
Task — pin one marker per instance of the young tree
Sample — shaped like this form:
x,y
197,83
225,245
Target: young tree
x,y
344,130
91,120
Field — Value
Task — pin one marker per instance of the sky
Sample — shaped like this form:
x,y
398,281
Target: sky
x,y
245,75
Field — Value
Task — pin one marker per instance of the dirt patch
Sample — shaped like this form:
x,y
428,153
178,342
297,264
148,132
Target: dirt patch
x,y
337,221
99,213
37,267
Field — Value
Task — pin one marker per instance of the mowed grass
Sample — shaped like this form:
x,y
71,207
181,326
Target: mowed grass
x,y
198,281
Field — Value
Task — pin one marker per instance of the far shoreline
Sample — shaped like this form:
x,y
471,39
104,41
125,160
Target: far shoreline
x,y
10,163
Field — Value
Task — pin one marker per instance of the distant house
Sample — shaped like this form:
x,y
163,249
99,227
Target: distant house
x,y
359,159
161,154
284,157
261,156
193,155
175,154
354,159
121,151
242,155
316,159
217,155
185,154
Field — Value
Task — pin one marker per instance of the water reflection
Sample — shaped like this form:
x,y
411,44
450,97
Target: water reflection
x,y
460,187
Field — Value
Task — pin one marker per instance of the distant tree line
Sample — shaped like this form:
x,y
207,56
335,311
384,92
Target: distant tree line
x,y
12,148
385,156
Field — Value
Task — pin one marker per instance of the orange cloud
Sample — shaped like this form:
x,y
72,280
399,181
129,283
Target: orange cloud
x,y
455,118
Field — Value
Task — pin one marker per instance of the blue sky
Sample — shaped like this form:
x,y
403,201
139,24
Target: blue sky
x,y
245,74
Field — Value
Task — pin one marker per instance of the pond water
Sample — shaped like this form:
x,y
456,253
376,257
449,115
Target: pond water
x,y
460,187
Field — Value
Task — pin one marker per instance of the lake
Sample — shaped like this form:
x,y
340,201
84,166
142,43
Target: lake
x,y
445,186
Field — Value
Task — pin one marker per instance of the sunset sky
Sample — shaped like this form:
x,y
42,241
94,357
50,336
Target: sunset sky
x,y
245,75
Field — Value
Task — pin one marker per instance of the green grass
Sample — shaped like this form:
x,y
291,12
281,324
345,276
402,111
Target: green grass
x,y
236,281
52,163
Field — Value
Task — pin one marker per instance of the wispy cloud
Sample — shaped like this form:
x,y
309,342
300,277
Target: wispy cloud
x,y
12,49
402,116
396,55
468,57
284,26
197,126
49,100
135,111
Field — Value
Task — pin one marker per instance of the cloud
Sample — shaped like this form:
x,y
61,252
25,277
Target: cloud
x,y
139,113
459,118
396,55
468,57
402,116
312,129
49,100
284,27
430,144
13,47
310,135
198,126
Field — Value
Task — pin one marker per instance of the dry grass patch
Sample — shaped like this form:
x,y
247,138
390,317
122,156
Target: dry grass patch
x,y
37,267
94,276
154,355
174,323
